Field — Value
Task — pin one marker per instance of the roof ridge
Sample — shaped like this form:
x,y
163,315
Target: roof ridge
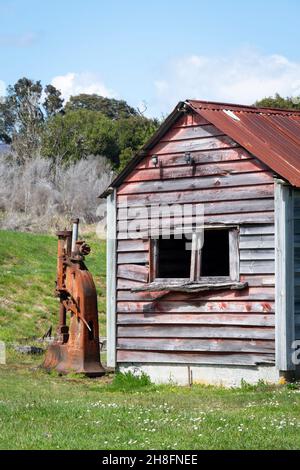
x,y
242,108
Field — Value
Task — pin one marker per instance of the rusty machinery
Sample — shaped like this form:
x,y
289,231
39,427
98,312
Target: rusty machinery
x,y
76,348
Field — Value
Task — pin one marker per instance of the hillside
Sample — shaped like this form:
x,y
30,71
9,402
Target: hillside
x,y
27,275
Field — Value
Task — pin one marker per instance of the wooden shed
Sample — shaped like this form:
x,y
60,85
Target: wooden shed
x,y
228,308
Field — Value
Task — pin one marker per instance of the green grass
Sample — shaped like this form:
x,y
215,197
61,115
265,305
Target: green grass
x,y
27,275
45,411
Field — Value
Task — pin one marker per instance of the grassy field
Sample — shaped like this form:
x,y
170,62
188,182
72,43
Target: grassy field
x,y
27,275
44,411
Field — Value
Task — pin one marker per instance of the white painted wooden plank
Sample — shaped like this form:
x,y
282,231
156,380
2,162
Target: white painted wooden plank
x,y
284,275
111,279
257,241
257,267
263,254
258,229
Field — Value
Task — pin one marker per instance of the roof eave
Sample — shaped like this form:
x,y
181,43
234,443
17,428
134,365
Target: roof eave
x,y
180,108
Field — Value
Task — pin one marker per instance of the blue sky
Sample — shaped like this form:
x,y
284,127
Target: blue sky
x,y
156,51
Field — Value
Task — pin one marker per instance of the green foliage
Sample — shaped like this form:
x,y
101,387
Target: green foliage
x,y
128,381
132,134
53,102
278,101
82,132
261,385
33,120
110,107
77,134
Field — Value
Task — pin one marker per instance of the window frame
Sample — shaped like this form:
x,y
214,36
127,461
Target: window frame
x,y
195,266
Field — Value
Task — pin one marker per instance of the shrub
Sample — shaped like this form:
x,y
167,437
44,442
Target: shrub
x,y
41,194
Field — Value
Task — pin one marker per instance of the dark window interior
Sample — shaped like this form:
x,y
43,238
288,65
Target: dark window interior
x,y
174,260
215,253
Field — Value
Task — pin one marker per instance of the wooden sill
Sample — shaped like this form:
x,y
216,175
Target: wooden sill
x,y
190,286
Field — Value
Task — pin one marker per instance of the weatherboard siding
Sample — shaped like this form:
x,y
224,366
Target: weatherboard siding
x,y
297,263
216,327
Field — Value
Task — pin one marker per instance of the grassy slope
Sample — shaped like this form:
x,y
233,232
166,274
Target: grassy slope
x,y
27,274
38,410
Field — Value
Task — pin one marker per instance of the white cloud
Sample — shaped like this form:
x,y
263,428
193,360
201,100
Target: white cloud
x,y
243,78
76,83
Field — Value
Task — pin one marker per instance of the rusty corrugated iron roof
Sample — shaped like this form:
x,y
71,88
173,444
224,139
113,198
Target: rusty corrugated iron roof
x,y
270,134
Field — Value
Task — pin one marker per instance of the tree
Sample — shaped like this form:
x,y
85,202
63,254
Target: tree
x,y
110,107
278,101
79,133
132,135
6,122
53,102
22,115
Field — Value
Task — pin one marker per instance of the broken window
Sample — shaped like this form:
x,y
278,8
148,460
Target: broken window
x,y
212,254
215,253
174,260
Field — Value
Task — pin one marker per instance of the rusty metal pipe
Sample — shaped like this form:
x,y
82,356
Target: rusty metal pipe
x,y
74,234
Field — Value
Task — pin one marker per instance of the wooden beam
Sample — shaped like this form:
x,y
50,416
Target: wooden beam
x,y
284,276
208,284
111,259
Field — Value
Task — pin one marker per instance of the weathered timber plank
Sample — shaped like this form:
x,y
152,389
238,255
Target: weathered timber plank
x,y
133,245
214,156
255,280
193,331
238,179
197,345
257,267
191,286
127,283
134,272
192,132
189,358
257,229
142,228
257,241
190,119
197,307
254,293
133,257
207,143
216,319
259,254
217,207
185,171
190,196
124,295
